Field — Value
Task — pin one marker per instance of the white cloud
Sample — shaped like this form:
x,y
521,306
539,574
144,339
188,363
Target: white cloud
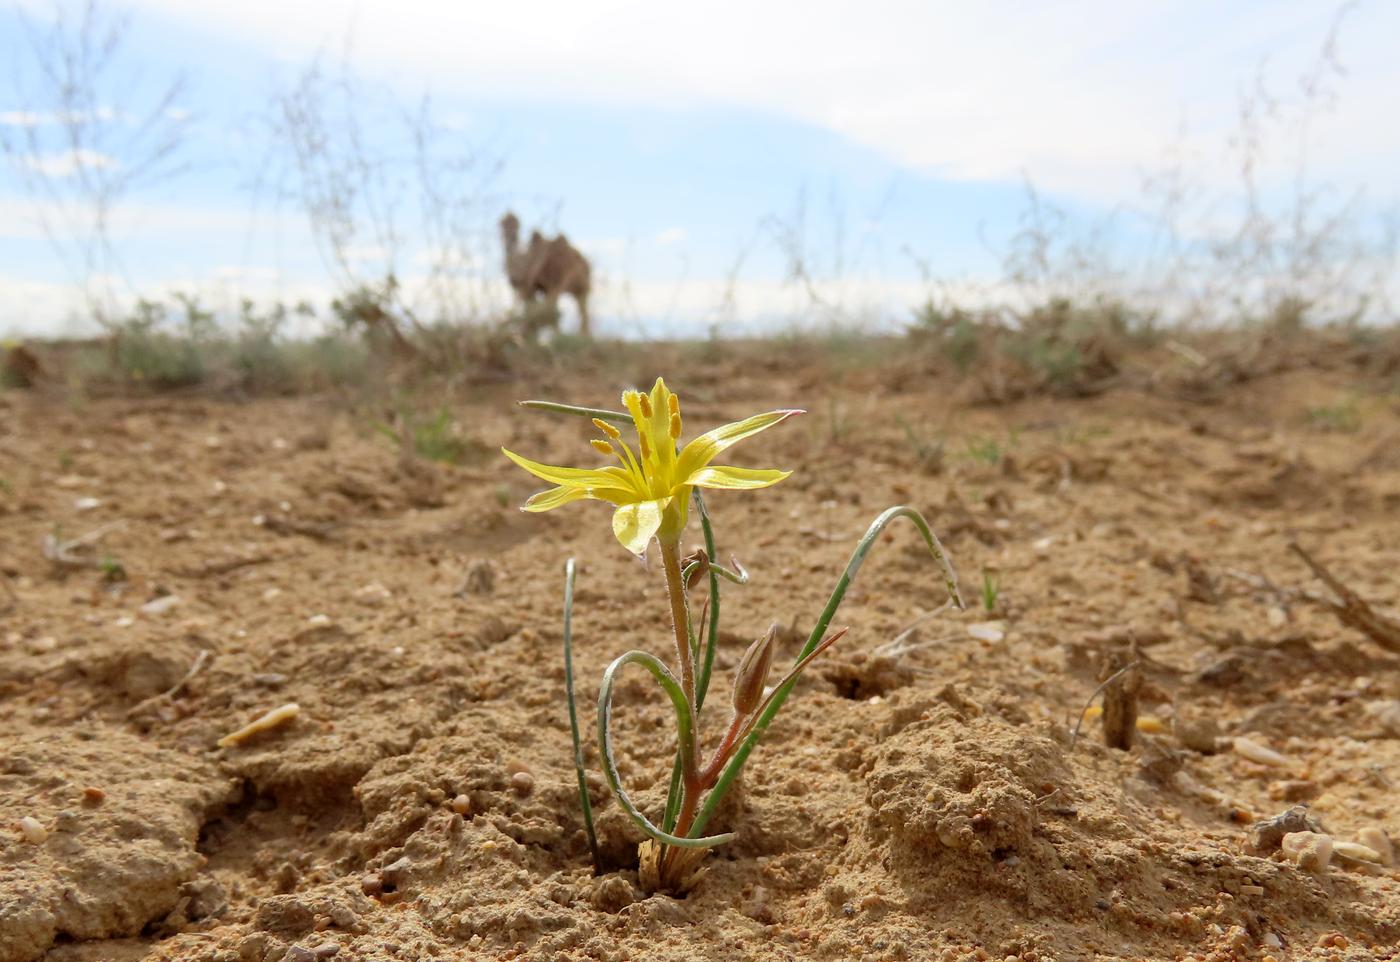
x,y
672,235
23,219
39,118
68,163
1081,94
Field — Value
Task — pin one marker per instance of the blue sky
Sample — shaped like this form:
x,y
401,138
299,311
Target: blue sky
x,y
668,140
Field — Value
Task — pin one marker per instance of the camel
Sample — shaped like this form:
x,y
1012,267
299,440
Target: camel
x,y
548,266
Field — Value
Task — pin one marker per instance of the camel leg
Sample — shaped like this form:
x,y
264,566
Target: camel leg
x,y
582,301
553,300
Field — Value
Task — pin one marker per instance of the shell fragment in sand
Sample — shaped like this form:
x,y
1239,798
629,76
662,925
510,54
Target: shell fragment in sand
x,y
274,719
1357,852
1256,752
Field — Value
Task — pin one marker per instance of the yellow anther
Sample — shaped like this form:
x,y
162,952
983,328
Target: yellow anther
x,y
674,405
607,428
602,446
646,448
645,403
676,426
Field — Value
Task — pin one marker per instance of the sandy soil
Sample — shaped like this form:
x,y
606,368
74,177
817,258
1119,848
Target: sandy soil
x,y
919,800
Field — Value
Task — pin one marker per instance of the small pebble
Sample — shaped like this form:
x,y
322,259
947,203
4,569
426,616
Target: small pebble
x,y
522,782
462,805
989,631
373,594
159,606
393,873
372,884
86,504
1198,734
93,797
1310,850
33,830
1256,752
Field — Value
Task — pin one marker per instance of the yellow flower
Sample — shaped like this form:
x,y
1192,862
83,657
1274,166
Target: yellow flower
x,y
652,491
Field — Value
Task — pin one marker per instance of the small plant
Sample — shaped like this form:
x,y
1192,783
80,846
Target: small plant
x,y
986,450
437,438
991,589
838,422
651,491
1343,417
928,451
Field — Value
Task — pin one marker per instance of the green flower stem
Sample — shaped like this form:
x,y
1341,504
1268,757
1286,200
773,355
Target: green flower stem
x,y
684,730
877,528
612,417
583,801
680,615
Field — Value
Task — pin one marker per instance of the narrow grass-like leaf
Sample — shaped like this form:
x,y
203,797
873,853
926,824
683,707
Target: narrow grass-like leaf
x,y
702,683
583,803
950,581
684,733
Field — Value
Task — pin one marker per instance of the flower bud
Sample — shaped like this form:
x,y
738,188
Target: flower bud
x,y
753,672
701,561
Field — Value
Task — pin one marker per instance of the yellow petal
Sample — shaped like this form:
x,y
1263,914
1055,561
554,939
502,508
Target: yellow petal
x,y
723,476
564,494
553,498
635,524
609,477
702,450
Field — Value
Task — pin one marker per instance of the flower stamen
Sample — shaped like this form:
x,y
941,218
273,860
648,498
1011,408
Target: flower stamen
x,y
612,432
602,446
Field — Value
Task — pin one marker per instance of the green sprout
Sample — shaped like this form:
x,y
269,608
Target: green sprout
x,y
112,569
652,492
986,450
991,588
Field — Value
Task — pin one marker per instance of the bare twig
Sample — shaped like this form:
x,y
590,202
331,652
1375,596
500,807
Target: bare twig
x,y
200,661
67,553
223,567
1352,610
308,529
900,644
